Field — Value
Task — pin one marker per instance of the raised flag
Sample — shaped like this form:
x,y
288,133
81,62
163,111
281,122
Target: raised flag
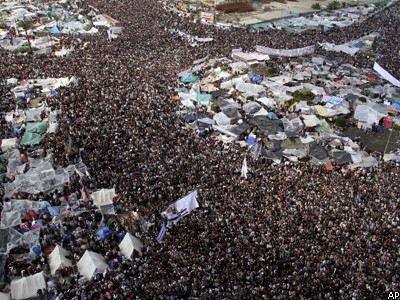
x,y
161,234
181,208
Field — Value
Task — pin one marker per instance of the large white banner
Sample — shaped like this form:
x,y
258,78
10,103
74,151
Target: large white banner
x,y
286,52
385,74
181,208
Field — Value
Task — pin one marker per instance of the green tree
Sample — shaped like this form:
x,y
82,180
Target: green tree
x,y
26,25
316,6
333,5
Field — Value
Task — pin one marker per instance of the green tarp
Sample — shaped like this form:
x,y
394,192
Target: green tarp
x,y
189,79
30,138
203,97
34,133
37,127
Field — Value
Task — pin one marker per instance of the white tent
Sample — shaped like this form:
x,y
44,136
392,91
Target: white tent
x,y
129,244
90,264
27,287
58,260
103,197
5,296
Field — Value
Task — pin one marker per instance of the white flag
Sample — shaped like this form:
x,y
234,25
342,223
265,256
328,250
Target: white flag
x,y
244,168
181,208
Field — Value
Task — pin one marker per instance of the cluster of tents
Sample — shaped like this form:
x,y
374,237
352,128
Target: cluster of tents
x,y
42,22
295,106
89,265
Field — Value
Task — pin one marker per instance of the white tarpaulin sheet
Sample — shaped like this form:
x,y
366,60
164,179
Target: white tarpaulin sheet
x,y
103,197
201,60
286,52
27,287
7,144
129,244
385,74
90,264
4,296
203,40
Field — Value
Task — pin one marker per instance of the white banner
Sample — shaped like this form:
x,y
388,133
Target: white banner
x,y
286,52
181,208
385,74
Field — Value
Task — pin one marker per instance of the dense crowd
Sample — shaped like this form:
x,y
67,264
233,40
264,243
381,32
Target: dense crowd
x,y
289,230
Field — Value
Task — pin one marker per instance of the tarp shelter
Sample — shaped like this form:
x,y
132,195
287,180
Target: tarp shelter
x,y
58,259
129,244
103,197
27,287
34,133
104,233
90,264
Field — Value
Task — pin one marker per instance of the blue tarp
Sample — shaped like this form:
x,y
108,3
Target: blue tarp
x,y
396,106
54,30
104,233
37,251
272,116
54,211
260,26
251,140
189,79
257,79
335,100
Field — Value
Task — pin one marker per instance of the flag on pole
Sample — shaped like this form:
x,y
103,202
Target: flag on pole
x,y
244,168
161,234
181,208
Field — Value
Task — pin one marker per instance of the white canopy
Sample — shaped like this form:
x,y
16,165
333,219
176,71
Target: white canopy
x,y
5,296
58,260
103,197
129,244
90,264
27,287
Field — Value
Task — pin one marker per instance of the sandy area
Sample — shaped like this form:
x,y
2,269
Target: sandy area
x,y
280,10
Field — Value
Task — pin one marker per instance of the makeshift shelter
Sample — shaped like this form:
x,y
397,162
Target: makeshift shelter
x,y
104,233
27,287
103,197
129,244
34,133
90,264
58,259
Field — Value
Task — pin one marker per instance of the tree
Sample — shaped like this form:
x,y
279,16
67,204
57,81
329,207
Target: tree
x,y
26,25
333,5
316,6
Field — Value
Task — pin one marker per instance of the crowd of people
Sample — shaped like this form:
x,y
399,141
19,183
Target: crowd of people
x,y
289,230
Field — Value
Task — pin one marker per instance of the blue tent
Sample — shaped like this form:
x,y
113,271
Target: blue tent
x,y
104,233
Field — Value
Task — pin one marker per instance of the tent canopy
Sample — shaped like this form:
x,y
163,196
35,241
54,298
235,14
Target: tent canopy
x,y
90,264
27,287
129,244
58,259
